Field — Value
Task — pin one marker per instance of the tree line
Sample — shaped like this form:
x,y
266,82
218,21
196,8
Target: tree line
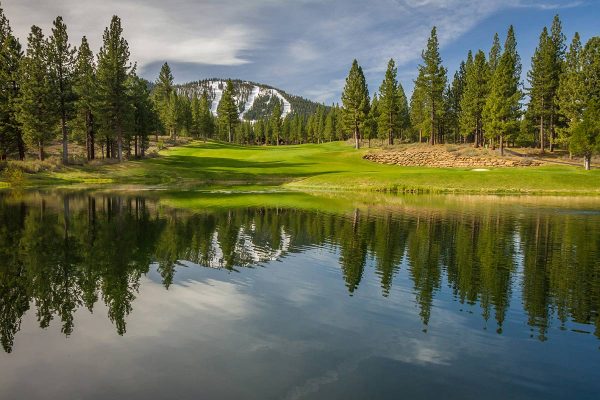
x,y
53,89
486,102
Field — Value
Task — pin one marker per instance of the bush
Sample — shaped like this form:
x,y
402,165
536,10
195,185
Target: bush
x,y
14,176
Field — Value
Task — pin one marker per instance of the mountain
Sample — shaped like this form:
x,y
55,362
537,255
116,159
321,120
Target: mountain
x,y
254,100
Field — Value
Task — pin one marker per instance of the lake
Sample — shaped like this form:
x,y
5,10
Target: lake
x,y
224,295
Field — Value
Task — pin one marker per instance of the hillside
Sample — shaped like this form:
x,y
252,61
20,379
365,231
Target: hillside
x,y
254,100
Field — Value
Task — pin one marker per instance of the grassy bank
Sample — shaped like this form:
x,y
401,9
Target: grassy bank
x,y
331,166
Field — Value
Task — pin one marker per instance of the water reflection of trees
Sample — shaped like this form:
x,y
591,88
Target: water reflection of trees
x,y
58,254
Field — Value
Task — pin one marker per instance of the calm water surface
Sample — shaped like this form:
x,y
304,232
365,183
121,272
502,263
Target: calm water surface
x,y
118,296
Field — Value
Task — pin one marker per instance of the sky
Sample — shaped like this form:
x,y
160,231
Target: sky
x,y
304,47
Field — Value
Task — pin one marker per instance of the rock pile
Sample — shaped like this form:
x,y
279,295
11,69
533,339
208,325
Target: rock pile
x,y
422,156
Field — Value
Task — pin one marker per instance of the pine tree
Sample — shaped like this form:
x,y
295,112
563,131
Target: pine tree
x,y
403,111
433,83
112,75
145,117
544,77
474,97
371,124
454,97
329,130
275,122
163,88
586,134
355,99
11,135
84,87
571,91
495,54
205,123
36,111
502,108
388,123
61,61
418,109
227,111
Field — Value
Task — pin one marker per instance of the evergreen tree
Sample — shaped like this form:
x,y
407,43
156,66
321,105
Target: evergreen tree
x,y
454,97
571,90
11,135
195,110
275,122
84,87
502,108
163,88
145,117
355,99
329,130
371,124
418,110
112,74
586,134
61,61
474,97
433,83
388,122
544,77
36,103
227,111
403,111
495,54
205,122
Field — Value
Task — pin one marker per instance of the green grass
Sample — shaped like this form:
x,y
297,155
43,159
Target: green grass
x,y
330,166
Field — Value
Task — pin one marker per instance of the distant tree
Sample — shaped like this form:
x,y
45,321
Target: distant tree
x,y
495,54
61,62
206,124
388,122
371,124
433,83
84,87
355,100
161,93
419,115
227,111
276,123
36,103
454,97
11,134
112,75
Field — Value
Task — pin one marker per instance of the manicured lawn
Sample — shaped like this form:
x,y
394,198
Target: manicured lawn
x,y
330,166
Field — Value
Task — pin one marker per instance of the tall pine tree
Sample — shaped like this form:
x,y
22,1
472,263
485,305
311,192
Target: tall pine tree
x,y
571,91
36,103
227,111
355,100
474,97
61,61
388,122
11,135
84,87
114,104
433,83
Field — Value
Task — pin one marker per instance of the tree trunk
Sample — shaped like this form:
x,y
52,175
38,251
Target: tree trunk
x,y
41,151
587,160
135,148
356,137
420,135
90,136
542,144
230,135
65,138
119,143
21,147
502,145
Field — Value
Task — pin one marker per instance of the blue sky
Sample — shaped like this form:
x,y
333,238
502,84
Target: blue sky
x,y
303,46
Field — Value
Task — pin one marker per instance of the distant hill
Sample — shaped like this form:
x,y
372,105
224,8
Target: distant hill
x,y
255,100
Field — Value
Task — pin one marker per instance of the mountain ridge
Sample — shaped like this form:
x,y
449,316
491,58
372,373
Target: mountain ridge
x,y
254,100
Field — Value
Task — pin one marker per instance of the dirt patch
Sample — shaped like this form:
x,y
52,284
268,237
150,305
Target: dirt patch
x,y
442,157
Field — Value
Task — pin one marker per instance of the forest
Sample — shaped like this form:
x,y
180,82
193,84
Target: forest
x,y
54,91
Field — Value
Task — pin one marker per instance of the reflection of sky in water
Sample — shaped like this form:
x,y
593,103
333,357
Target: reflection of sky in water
x,y
290,330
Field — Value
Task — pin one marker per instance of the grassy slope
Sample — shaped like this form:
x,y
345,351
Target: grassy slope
x,y
326,166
